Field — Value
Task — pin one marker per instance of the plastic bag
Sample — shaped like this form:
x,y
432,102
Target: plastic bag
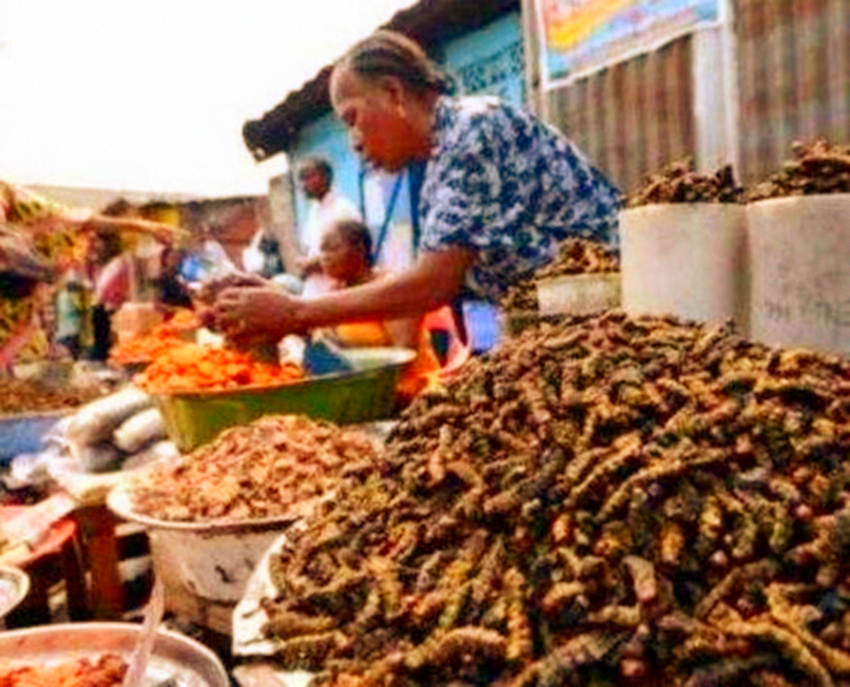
x,y
101,457
161,450
97,421
139,430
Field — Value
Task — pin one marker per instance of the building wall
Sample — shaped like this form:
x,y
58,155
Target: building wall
x,y
327,137
794,78
791,63
634,117
490,60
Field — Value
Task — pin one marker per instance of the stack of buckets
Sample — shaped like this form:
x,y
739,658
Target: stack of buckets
x,y
778,268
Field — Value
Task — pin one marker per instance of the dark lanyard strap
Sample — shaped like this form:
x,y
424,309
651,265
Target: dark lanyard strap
x,y
388,215
416,174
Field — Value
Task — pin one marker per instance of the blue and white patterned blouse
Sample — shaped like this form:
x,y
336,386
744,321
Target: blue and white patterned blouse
x,y
508,186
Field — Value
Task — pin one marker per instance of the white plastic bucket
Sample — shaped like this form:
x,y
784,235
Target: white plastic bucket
x,y
578,294
214,565
686,260
800,271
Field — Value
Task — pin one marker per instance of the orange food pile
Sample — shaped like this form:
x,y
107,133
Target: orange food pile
x,y
164,337
143,349
107,671
191,367
182,321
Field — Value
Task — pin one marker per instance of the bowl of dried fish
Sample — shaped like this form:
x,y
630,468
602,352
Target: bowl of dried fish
x,y
98,654
214,559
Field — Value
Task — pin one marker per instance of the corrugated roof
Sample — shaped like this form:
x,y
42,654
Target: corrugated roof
x,y
430,23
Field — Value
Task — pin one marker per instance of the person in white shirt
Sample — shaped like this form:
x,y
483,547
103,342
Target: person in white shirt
x,y
326,208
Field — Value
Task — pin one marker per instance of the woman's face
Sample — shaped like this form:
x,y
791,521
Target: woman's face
x,y
100,249
374,116
171,260
314,182
339,259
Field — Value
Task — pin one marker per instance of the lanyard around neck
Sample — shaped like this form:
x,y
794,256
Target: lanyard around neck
x,y
388,216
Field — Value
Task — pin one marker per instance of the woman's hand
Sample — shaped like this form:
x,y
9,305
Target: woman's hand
x,y
211,289
257,313
265,312
308,266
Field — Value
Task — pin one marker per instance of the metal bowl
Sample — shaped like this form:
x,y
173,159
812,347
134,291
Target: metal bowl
x,y
176,656
14,586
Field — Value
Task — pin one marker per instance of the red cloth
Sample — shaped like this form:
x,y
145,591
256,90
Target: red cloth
x,y
112,285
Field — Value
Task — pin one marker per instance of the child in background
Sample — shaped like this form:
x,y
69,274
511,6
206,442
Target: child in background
x,y
346,258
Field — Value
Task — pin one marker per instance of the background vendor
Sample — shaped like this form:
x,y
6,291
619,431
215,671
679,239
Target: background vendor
x,y
501,191
325,207
172,292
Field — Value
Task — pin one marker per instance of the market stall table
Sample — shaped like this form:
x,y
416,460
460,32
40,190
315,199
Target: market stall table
x,y
58,556
106,595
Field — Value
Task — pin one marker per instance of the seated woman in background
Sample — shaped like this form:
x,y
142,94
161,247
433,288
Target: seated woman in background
x,y
171,291
346,257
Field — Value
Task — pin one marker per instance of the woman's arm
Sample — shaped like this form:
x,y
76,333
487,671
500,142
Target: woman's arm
x,y
434,280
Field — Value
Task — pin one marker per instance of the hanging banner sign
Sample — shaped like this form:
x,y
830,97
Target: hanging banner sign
x,y
579,36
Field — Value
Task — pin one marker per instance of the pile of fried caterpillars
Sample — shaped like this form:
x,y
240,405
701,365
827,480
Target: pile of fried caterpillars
x,y
818,168
609,501
681,183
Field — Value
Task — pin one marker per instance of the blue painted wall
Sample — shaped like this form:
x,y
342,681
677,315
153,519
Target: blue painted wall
x,y
490,60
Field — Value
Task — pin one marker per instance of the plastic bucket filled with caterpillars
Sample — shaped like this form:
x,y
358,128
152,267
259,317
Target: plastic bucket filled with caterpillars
x,y
683,241
582,279
799,252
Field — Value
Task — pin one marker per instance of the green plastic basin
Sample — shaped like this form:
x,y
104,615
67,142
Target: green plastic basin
x,y
365,394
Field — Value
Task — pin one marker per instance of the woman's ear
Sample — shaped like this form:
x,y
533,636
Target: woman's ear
x,y
395,92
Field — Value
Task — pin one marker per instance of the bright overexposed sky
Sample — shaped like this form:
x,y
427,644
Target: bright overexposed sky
x,y
151,95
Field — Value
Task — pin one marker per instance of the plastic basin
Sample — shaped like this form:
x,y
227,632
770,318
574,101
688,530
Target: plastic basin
x,y
365,394
176,659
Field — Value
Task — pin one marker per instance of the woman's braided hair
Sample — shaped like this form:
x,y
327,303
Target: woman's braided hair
x,y
388,53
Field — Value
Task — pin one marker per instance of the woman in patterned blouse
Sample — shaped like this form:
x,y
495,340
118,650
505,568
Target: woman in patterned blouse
x,y
501,191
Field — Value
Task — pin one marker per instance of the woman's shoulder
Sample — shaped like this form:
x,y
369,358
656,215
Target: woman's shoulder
x,y
473,110
469,122
467,112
